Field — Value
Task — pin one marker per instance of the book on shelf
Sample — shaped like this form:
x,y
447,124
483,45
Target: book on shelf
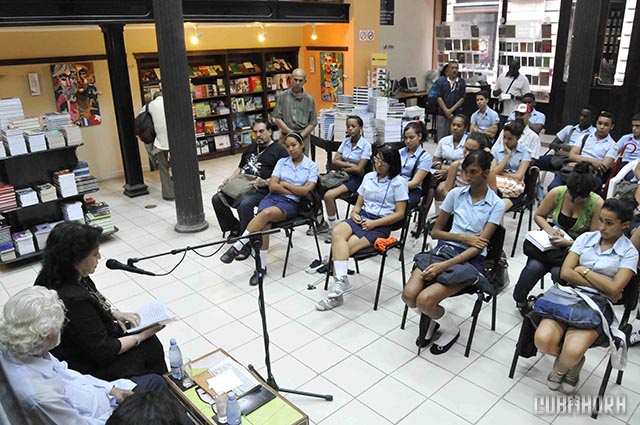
x,y
250,104
202,109
216,126
282,81
235,68
237,104
222,90
151,313
270,85
209,127
242,121
224,125
200,127
202,147
239,86
222,141
255,83
271,100
149,75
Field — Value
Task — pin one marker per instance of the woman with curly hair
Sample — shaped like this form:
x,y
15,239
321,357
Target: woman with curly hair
x,y
94,341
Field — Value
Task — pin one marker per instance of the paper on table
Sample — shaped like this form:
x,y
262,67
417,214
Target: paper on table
x,y
152,313
224,382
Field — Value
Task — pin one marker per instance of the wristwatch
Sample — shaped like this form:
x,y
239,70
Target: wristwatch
x,y
137,338
585,272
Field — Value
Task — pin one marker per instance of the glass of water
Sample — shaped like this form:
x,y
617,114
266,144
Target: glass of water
x,y
187,373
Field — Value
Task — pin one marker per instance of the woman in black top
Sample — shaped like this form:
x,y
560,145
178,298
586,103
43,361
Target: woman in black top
x,y
94,340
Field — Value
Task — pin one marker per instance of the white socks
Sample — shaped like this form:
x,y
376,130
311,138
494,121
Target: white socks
x,y
449,330
264,254
331,220
430,329
341,268
239,244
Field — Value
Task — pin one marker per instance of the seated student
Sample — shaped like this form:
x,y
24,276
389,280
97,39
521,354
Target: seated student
x,y
149,407
455,176
48,391
537,120
485,120
630,143
574,209
94,339
416,162
529,138
353,155
293,177
604,262
258,159
568,136
449,149
511,158
382,201
457,259
599,149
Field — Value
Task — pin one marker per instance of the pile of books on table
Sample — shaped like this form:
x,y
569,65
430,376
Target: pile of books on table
x,y
72,211
85,182
41,233
72,134
10,109
99,215
13,141
65,182
55,121
7,197
26,197
46,192
35,140
55,139
23,241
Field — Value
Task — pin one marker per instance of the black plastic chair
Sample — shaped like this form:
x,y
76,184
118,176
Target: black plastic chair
x,y
527,330
370,252
492,272
527,203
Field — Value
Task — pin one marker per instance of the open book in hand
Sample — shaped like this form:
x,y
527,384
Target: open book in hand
x,y
540,239
152,313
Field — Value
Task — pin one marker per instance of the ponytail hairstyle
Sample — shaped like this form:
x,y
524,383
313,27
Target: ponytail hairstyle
x,y
482,158
515,127
419,128
481,138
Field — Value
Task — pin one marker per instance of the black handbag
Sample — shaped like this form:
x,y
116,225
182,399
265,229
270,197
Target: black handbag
x,y
552,257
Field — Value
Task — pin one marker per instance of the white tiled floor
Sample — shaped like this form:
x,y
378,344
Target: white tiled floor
x,y
357,354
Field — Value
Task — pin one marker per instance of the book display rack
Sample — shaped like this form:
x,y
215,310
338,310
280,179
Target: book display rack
x,y
229,90
461,42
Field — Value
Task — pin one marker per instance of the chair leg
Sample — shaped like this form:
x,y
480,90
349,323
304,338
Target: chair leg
x,y
286,257
494,310
404,283
515,240
357,266
517,351
328,273
542,283
474,322
530,217
425,321
317,243
375,302
603,387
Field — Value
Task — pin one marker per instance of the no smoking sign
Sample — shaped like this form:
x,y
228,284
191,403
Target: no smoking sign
x,y
366,35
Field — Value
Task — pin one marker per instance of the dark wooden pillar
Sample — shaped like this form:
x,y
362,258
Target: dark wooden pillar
x,y
630,93
178,112
585,37
123,106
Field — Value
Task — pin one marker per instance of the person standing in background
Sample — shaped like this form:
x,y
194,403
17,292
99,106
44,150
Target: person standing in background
x,y
513,84
161,145
295,110
451,92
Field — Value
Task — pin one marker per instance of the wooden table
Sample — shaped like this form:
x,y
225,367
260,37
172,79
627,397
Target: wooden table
x,y
278,411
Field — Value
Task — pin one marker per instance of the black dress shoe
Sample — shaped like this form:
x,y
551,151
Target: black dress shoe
x,y
244,253
424,342
441,349
254,277
229,256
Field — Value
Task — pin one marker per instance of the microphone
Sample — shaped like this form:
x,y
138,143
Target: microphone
x,y
113,264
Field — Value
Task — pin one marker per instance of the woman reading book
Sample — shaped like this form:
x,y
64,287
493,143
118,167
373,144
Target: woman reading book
x,y
574,209
94,340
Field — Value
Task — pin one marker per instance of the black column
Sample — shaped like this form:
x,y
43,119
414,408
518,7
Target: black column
x,y
178,112
123,106
585,36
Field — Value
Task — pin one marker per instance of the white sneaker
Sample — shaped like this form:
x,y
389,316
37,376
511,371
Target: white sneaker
x,y
340,287
634,338
329,303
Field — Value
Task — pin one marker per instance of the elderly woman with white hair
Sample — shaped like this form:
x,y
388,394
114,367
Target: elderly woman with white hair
x,y
49,392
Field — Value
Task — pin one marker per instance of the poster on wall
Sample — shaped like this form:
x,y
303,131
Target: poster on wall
x,y
74,87
332,79
386,12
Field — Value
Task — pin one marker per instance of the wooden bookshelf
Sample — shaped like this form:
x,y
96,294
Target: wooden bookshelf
x,y
265,71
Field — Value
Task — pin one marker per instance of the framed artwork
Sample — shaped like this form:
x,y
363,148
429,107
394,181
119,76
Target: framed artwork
x,y
75,91
331,78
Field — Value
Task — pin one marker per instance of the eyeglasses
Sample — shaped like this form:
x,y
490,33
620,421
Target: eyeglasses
x,y
378,160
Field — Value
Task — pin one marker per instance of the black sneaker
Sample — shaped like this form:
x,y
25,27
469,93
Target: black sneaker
x,y
230,255
315,266
254,277
244,253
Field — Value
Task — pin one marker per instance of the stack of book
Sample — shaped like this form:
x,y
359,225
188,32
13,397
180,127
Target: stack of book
x,y
389,130
72,135
362,94
23,241
41,233
55,139
7,197
99,215
86,184
35,140
7,252
26,197
26,124
46,192
396,109
72,211
13,141
379,106
5,233
65,183
55,121
10,109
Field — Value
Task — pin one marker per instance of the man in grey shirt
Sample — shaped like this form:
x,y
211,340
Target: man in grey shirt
x,y
296,110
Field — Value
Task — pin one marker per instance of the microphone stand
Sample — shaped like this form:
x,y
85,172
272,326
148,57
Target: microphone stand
x,y
255,239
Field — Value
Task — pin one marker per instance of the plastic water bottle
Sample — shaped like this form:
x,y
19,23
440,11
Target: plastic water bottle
x,y
175,359
234,416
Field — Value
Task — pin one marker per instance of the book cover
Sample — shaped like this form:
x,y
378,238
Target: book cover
x,y
224,125
250,104
222,141
221,88
240,104
255,83
209,127
200,127
216,126
258,101
218,69
202,109
271,100
242,121
270,85
241,85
